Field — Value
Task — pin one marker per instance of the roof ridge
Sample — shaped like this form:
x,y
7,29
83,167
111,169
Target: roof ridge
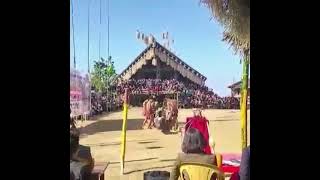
x,y
156,44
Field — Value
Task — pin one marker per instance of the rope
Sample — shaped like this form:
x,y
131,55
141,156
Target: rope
x,y
100,33
108,60
108,29
88,36
74,48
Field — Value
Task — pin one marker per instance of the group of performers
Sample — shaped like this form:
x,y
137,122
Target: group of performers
x,y
160,115
152,112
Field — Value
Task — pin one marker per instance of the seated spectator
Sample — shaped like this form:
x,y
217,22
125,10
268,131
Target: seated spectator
x,y
79,169
192,147
200,123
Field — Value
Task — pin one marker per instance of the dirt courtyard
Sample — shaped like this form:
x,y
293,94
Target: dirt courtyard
x,y
151,149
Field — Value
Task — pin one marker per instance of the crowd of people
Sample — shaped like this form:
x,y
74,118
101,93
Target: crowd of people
x,y
99,103
190,95
150,86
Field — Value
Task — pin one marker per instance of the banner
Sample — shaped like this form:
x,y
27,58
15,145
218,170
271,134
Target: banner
x,y
79,93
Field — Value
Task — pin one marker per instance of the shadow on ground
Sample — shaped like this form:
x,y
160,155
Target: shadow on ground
x,y
137,160
104,144
118,143
164,160
102,115
146,169
111,125
154,147
146,142
169,133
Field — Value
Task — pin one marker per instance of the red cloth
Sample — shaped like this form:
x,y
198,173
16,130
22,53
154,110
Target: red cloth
x,y
235,176
201,124
230,169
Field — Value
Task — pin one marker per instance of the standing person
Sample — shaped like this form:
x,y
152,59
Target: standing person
x,y
151,106
158,117
72,121
145,112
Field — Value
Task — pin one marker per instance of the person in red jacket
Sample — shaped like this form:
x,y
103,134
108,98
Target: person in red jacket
x,y
200,123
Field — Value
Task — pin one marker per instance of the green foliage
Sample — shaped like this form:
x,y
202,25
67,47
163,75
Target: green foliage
x,y
103,74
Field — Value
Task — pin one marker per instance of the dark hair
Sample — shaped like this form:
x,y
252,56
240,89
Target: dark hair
x,y
74,141
193,141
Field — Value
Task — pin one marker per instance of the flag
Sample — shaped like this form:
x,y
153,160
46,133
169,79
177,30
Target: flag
x,y
146,40
150,39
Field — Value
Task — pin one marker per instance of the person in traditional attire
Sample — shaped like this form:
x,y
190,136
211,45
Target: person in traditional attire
x,y
159,117
149,112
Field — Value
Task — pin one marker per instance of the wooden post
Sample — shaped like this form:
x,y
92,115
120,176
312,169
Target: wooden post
x,y
158,70
178,99
176,125
124,129
176,75
243,105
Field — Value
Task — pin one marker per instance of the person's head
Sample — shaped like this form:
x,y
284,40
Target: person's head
x,y
193,141
74,141
197,112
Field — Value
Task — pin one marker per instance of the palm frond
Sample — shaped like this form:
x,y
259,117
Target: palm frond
x,y
239,46
234,16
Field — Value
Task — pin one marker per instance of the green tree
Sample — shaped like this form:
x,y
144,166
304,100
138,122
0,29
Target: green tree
x,y
234,16
103,74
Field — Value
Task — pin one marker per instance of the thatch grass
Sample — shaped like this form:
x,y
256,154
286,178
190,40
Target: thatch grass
x,y
234,16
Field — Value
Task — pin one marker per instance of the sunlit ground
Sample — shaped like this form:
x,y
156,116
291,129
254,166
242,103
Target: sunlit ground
x,y
151,149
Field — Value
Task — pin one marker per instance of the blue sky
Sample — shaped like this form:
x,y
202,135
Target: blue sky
x,y
197,39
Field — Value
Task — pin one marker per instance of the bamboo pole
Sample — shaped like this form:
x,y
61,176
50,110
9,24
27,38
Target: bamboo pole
x,y
243,105
124,129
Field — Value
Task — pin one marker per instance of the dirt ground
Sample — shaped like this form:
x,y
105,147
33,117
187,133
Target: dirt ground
x,y
151,149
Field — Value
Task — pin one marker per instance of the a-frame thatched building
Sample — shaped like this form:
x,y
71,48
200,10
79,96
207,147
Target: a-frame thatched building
x,y
157,62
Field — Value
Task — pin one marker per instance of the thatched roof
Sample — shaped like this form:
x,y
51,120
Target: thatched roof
x,y
237,85
234,16
156,51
